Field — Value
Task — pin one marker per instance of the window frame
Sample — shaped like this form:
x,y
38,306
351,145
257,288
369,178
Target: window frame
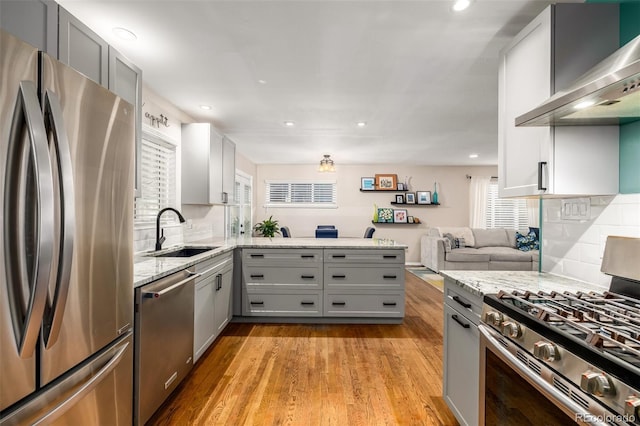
x,y
517,205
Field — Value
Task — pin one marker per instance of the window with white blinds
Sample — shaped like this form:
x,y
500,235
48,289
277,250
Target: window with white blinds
x,y
158,172
505,212
301,194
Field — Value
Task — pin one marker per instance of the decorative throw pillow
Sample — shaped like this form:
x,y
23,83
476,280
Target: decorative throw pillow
x,y
527,242
454,242
535,231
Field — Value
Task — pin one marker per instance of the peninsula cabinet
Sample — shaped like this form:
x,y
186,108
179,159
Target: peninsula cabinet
x,y
556,48
460,384
212,304
208,165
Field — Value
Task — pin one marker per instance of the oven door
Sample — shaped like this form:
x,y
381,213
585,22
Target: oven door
x,y
512,393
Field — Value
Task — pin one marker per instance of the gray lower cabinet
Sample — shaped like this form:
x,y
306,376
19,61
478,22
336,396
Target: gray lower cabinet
x,y
461,352
212,301
351,283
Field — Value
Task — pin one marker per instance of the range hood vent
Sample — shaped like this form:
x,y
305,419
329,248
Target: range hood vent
x,y
608,94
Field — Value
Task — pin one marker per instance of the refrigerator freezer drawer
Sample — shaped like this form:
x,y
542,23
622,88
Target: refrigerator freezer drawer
x,y
100,392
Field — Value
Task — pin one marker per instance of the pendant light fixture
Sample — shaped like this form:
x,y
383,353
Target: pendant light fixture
x,y
326,164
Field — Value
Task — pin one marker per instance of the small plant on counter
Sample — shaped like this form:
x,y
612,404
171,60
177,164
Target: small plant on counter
x,y
267,228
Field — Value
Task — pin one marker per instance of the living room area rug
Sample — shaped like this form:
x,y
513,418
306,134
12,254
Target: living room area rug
x,y
428,276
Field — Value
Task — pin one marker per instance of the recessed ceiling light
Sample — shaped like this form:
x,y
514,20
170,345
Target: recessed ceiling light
x,y
207,107
461,5
125,34
289,123
262,81
584,104
473,155
361,123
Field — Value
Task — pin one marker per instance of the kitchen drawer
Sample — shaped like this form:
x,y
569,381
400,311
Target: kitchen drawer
x,y
282,257
365,276
347,304
279,277
294,303
364,256
462,301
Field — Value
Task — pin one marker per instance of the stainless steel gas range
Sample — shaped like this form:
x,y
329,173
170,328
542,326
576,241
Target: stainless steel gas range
x,y
563,358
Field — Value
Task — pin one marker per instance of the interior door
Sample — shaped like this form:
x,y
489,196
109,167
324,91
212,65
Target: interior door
x,y
18,62
98,306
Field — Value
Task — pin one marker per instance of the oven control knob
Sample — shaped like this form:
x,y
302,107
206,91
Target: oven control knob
x,y
493,318
597,384
632,406
511,329
546,351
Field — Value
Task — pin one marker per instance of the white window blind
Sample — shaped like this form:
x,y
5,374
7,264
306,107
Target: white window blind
x,y
301,194
158,189
505,212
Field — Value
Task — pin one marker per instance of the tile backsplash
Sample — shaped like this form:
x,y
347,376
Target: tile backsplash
x,y
574,248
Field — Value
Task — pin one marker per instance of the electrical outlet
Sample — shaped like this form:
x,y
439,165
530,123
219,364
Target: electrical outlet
x,y
576,209
189,224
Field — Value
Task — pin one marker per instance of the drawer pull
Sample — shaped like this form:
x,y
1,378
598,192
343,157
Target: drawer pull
x,y
257,303
303,303
257,276
456,319
463,303
389,256
338,276
307,277
338,256
389,303
253,256
390,277
307,256
338,303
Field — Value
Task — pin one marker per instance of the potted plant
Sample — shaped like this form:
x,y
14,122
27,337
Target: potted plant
x,y
267,228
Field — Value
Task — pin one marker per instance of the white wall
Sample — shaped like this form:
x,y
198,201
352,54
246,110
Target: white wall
x,y
355,208
574,248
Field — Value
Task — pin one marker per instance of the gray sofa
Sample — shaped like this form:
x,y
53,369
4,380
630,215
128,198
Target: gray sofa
x,y
486,249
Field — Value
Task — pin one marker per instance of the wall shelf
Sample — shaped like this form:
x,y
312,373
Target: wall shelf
x,y
384,190
415,205
395,223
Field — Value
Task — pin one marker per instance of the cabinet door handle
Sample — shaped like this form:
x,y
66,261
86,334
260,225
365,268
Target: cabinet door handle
x,y
307,256
338,276
307,277
389,256
389,303
218,282
338,256
390,277
257,303
257,276
307,303
456,319
541,165
338,303
253,256
463,303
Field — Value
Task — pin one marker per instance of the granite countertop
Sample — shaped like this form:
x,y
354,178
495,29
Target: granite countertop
x,y
491,282
147,269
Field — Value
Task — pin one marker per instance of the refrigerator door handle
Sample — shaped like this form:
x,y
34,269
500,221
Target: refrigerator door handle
x,y
54,123
82,390
28,172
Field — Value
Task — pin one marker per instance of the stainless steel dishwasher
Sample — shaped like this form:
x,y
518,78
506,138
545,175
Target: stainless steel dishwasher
x,y
163,340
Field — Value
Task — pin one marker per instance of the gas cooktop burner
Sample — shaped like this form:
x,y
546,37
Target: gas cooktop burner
x,y
609,321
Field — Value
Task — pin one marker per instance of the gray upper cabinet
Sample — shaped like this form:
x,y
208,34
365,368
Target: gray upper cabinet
x,y
544,58
206,156
82,49
125,80
35,22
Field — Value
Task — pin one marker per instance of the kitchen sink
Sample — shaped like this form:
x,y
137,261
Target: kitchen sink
x,y
185,252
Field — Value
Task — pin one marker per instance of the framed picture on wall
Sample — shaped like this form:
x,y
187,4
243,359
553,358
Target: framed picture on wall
x,y
386,182
399,199
424,197
367,183
410,219
400,216
410,198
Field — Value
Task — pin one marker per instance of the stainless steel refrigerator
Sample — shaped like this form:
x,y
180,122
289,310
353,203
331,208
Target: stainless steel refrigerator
x,y
66,236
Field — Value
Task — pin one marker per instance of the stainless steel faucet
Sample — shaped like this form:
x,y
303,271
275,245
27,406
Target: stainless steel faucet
x,y
160,234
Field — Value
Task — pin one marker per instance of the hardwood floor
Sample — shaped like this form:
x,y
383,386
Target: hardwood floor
x,y
285,374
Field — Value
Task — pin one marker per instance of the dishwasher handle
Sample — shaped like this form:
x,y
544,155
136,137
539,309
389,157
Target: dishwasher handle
x,y
155,294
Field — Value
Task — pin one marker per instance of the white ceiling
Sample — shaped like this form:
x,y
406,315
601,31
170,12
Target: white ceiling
x,y
423,77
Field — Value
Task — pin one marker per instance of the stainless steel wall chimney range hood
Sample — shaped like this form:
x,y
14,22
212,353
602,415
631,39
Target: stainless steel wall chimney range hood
x,y
608,94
